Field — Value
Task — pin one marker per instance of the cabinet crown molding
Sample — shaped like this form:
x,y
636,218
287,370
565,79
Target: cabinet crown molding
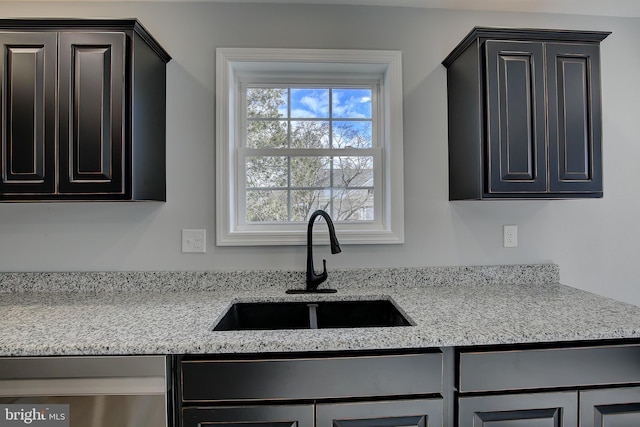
x,y
83,24
538,34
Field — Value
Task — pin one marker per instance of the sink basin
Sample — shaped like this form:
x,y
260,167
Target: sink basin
x,y
311,315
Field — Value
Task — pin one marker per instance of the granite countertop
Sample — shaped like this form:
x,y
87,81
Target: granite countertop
x,y
173,312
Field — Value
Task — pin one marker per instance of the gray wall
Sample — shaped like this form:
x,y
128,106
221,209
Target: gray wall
x,y
593,241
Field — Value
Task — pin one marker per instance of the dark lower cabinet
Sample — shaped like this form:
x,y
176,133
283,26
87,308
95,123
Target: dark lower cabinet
x,y
82,111
249,416
406,413
545,385
357,390
610,407
553,386
618,407
520,410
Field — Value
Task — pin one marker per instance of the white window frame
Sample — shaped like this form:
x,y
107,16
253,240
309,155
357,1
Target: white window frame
x,y
234,64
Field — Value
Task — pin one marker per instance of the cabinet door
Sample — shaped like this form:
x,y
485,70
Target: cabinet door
x,y
409,413
93,129
27,113
520,410
516,131
610,408
575,118
249,416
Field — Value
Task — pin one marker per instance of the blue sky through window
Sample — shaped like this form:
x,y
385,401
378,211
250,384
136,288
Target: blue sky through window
x,y
352,103
314,103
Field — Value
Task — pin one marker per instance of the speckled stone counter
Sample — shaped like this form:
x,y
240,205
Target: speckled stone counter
x,y
173,312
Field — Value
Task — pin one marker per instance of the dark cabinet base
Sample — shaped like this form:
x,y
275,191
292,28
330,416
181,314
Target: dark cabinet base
x,y
618,407
546,385
358,390
522,410
254,416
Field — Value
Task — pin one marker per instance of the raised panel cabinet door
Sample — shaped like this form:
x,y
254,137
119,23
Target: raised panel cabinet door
x,y
249,416
27,112
516,131
406,413
575,118
619,407
520,410
92,128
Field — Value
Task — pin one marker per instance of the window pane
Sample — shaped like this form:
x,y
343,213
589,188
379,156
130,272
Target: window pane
x,y
310,171
353,205
351,103
309,134
304,202
266,172
281,188
309,103
267,206
353,171
266,102
355,134
266,134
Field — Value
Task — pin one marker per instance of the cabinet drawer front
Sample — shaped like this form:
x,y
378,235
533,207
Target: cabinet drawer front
x,y
610,407
545,368
254,416
406,413
523,410
282,379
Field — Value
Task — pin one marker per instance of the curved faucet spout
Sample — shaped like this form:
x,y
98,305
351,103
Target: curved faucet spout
x,y
313,279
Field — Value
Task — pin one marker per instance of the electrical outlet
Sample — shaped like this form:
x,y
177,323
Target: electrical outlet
x,y
194,241
510,236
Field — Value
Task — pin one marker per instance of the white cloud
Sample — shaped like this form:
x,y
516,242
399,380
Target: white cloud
x,y
299,113
317,105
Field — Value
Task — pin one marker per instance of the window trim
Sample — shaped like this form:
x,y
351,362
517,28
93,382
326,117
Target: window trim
x,y
231,63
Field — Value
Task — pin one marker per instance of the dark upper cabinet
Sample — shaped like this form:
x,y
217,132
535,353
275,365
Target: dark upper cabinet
x,y
525,115
28,113
83,111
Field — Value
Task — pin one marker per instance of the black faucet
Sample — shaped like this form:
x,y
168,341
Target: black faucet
x,y
313,279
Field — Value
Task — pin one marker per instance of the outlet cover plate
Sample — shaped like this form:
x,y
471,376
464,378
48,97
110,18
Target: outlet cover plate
x,y
510,236
194,241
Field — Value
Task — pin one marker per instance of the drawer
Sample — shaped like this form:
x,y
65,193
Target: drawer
x,y
311,378
548,368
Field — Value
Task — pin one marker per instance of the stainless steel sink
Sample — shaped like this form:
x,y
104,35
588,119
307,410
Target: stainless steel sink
x,y
311,315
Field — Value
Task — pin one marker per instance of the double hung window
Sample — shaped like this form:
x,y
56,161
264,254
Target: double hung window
x,y
306,130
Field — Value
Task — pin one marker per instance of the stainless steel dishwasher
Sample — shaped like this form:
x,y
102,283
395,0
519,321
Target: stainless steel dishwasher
x,y
96,391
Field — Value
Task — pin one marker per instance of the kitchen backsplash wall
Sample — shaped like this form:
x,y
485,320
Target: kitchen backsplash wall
x,y
593,241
